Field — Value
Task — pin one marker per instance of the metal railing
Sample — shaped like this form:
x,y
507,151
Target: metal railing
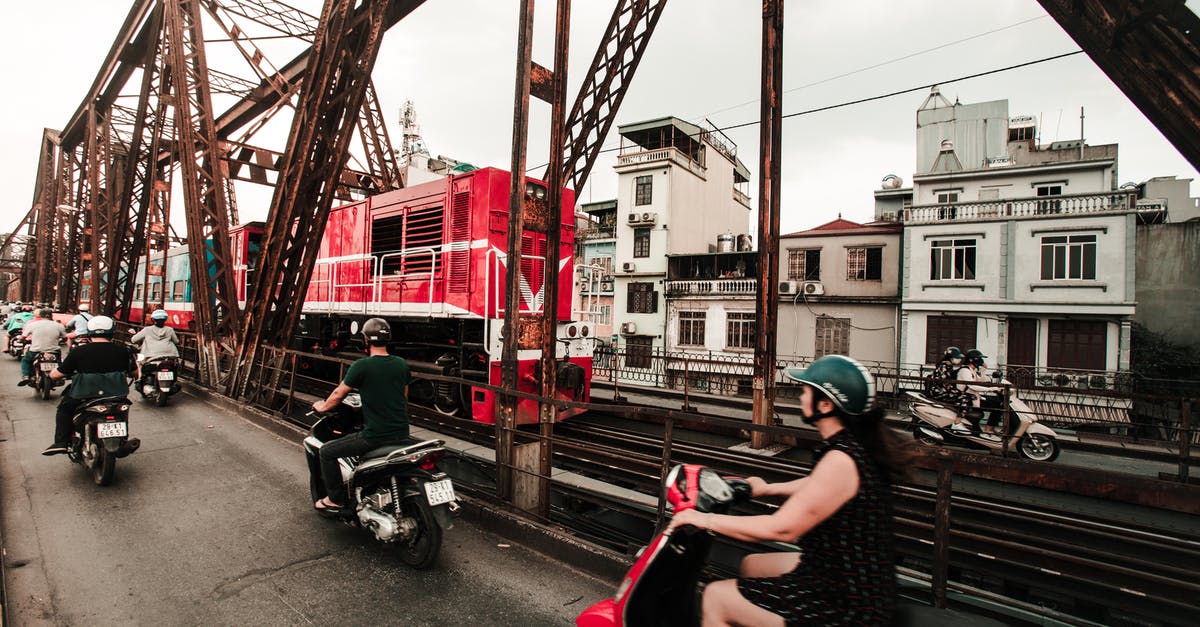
x,y
661,154
716,287
1066,204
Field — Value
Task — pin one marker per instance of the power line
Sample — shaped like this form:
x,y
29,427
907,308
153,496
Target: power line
x,y
883,96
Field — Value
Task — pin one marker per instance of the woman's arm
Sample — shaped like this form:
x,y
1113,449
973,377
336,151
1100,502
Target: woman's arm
x,y
833,482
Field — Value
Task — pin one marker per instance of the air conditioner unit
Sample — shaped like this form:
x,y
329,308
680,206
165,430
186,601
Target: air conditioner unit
x,y
812,288
649,217
629,266
635,218
628,328
606,286
608,278
788,288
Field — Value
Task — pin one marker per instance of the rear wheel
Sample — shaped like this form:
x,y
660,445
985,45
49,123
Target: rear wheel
x,y
160,398
923,437
1038,447
421,551
104,465
45,384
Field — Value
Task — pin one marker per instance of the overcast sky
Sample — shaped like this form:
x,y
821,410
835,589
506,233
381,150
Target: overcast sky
x,y
456,61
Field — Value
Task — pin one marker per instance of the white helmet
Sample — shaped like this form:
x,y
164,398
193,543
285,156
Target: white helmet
x,y
84,306
100,325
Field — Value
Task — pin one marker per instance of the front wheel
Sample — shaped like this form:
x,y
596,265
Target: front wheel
x,y
420,551
104,466
1038,447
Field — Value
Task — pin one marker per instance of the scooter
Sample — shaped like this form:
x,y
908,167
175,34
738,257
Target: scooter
x,y
660,587
43,365
102,437
158,380
396,491
932,421
16,344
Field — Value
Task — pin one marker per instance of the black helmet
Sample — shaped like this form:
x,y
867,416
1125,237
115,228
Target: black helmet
x,y
377,332
975,357
952,352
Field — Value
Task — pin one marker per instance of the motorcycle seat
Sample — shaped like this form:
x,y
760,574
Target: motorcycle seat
x,y
398,450
107,400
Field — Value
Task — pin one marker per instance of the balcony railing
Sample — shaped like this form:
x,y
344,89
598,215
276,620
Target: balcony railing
x,y
741,197
714,287
1023,207
596,232
661,154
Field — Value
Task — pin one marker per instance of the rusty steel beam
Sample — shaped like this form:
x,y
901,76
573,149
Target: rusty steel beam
x,y
330,102
1151,50
766,304
381,156
605,84
204,187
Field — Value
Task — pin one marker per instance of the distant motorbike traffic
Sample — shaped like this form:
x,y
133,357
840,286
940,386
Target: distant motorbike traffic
x,y
159,379
397,492
932,421
43,365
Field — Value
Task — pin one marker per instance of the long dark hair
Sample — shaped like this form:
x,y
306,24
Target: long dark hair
x,y
891,454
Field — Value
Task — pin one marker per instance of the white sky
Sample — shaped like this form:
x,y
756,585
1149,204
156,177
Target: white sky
x,y
456,61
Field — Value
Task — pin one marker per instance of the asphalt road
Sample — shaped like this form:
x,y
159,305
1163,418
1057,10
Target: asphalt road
x,y
209,523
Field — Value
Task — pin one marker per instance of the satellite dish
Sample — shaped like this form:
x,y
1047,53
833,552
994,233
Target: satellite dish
x,y
947,145
892,181
1130,185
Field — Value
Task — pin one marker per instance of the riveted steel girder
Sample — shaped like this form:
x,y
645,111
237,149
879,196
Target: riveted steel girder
x,y
1151,50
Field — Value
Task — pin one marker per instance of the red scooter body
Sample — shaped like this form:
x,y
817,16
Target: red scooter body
x,y
660,587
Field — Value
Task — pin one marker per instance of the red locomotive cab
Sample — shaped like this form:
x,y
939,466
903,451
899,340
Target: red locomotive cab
x,y
432,260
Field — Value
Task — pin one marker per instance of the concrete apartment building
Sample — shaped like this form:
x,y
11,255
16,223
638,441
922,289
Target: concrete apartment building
x,y
1023,251
679,186
596,247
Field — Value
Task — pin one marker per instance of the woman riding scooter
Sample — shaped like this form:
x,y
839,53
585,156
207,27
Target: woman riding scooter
x,y
841,513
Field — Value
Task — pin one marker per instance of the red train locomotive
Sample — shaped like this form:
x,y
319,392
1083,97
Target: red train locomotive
x,y
431,259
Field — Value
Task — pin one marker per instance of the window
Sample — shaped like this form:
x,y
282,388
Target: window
x,y
952,260
691,328
833,336
1069,257
946,197
639,351
603,314
943,331
605,264
641,243
177,290
137,293
804,264
156,291
1021,133
1077,344
864,264
1049,206
739,329
642,298
643,190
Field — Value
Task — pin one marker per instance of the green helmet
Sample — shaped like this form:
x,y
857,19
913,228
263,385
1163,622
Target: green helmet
x,y
845,381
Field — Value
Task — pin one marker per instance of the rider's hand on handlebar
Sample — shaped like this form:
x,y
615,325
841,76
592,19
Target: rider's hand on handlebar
x,y
319,407
688,517
758,486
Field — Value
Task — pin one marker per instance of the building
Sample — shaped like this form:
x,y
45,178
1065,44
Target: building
x,y
596,244
840,291
679,186
1021,250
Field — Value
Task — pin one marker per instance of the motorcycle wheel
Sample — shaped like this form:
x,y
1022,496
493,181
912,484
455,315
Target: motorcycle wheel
x,y
422,550
924,438
1038,447
160,398
104,466
45,384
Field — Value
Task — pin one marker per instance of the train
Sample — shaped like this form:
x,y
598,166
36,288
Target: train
x,y
431,260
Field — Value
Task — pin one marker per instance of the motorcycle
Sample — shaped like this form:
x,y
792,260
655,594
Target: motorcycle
x,y
396,491
16,344
660,587
102,437
158,380
932,421
43,365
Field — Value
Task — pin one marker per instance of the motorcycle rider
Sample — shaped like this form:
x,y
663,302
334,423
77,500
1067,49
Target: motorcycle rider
x,y
941,386
381,380
44,336
98,369
841,513
982,396
17,321
78,325
156,340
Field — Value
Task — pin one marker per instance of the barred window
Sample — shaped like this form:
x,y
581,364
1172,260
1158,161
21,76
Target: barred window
x,y
691,328
639,351
833,336
641,243
739,329
804,264
642,298
864,264
643,190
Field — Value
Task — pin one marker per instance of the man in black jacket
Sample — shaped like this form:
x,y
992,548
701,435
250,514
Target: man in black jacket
x,y
97,370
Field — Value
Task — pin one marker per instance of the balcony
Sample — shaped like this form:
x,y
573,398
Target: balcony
x,y
714,287
741,197
674,155
596,232
1040,206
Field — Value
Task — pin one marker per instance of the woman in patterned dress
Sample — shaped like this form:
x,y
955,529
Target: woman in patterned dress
x,y
840,515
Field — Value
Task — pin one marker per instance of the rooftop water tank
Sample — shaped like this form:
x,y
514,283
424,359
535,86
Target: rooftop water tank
x,y
725,243
744,244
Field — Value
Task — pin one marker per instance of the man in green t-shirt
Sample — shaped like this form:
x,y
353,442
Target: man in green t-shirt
x,y
381,380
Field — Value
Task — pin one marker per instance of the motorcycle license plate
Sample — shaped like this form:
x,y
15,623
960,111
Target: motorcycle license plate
x,y
48,366
439,492
166,376
111,430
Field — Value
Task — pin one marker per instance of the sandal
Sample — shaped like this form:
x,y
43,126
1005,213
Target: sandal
x,y
326,505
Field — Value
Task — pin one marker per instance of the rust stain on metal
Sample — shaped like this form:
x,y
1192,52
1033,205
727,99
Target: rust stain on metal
x,y
535,214
541,83
529,332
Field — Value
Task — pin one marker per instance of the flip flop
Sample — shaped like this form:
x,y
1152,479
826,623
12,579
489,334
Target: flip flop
x,y
325,505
